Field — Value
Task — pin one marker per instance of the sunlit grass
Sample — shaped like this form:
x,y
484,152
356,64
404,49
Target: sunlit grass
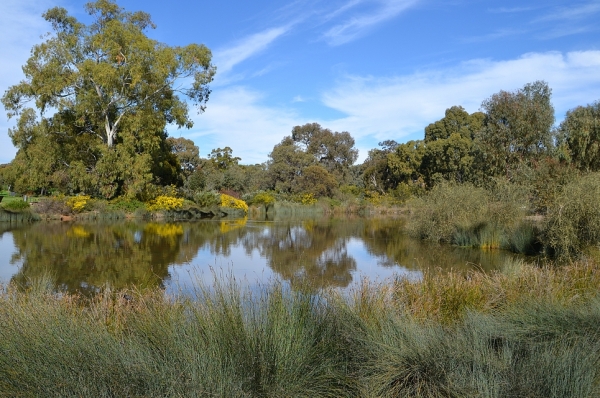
x,y
524,331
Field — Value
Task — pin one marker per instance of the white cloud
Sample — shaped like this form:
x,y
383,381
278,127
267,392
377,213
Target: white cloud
x,y
357,25
237,118
225,59
392,108
21,25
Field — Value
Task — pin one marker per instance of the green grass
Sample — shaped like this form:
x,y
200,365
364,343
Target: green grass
x,y
523,332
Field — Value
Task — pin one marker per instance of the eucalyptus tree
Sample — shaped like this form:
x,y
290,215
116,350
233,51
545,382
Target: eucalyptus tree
x,y
580,134
332,150
105,93
449,150
517,127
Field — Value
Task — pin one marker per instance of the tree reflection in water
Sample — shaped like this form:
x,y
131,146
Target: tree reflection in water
x,y
82,257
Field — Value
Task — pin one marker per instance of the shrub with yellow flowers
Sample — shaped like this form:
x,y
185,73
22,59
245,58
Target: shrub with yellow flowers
x,y
78,203
308,199
164,202
233,203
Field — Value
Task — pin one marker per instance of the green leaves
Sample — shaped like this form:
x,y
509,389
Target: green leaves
x,y
108,85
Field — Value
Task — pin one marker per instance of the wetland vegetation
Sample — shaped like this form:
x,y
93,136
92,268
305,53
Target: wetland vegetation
x,y
89,310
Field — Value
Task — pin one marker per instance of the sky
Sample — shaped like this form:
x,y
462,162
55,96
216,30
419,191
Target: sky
x,y
378,69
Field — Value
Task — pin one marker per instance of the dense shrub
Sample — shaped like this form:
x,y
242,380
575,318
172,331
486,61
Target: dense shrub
x,y
573,220
78,203
15,205
207,198
163,202
233,203
466,215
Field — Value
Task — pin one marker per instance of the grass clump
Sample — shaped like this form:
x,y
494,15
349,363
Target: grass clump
x,y
468,216
573,220
524,332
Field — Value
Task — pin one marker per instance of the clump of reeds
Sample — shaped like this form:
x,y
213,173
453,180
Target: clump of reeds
x,y
573,219
469,216
525,331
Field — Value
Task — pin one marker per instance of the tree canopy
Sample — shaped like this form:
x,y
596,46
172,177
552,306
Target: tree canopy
x,y
580,133
517,127
312,160
105,93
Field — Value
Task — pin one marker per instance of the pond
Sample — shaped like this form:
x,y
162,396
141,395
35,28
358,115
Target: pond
x,y
325,252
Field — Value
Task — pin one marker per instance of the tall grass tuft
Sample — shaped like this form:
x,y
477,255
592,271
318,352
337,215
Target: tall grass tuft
x,y
573,220
469,216
523,332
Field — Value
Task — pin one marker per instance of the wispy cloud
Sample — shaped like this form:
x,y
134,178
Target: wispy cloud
x,y
511,10
575,12
502,33
357,24
225,59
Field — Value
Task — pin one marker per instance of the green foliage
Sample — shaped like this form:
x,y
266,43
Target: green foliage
x,y
456,121
207,198
517,128
111,90
125,204
262,198
579,134
573,220
405,162
526,332
465,215
15,205
312,159
222,158
187,154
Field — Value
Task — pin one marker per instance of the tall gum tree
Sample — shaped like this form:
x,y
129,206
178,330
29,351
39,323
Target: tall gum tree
x,y
107,85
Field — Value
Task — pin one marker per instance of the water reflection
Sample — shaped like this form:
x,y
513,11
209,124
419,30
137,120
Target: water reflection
x,y
326,252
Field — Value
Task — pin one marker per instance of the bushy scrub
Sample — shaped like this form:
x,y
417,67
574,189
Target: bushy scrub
x,y
164,202
260,198
207,198
233,203
78,203
573,221
466,215
15,205
125,204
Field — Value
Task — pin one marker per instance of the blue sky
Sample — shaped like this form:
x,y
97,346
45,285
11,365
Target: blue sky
x,y
379,69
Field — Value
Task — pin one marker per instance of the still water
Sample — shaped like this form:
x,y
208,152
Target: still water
x,y
327,252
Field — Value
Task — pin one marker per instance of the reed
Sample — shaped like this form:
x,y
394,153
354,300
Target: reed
x,y
525,331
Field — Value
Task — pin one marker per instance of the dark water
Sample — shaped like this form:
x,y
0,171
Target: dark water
x,y
329,252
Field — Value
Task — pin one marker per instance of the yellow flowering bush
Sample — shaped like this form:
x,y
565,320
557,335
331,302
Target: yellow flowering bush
x,y
164,202
308,199
77,203
233,203
264,198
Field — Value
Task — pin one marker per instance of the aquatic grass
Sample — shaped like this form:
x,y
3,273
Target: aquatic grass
x,y
524,331
468,216
445,297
